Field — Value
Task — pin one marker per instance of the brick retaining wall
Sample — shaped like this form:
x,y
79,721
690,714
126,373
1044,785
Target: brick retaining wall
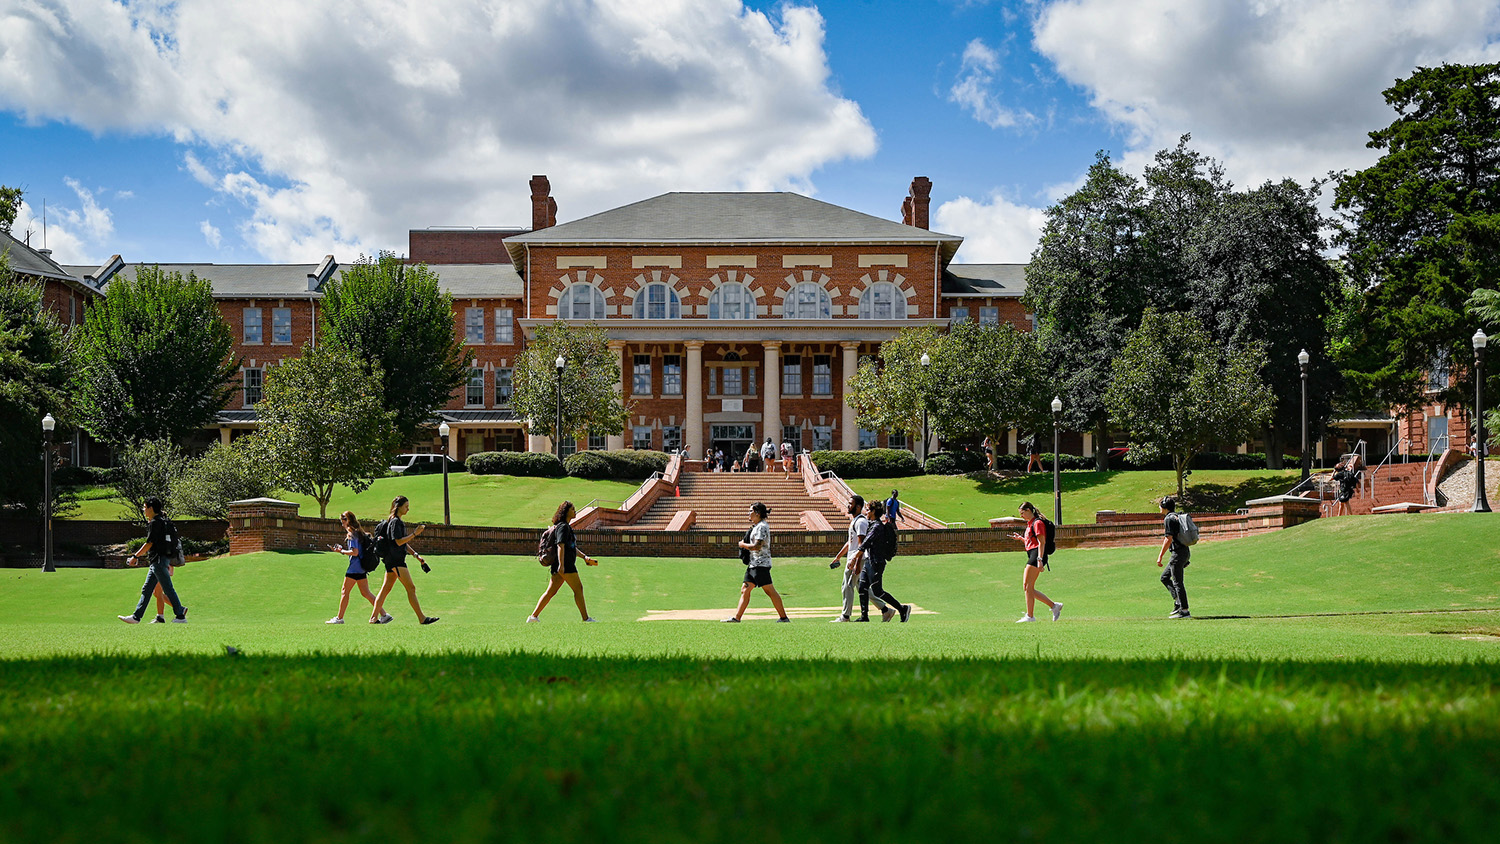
x,y
28,533
266,524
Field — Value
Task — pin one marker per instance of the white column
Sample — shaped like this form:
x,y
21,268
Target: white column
x,y
1010,439
851,361
1088,445
453,445
771,415
615,442
223,436
1244,448
694,432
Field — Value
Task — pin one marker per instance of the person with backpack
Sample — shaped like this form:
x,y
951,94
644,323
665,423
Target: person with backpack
x,y
786,459
393,543
880,548
1180,532
558,550
755,553
172,566
359,547
859,528
1040,540
768,456
162,546
1347,477
893,507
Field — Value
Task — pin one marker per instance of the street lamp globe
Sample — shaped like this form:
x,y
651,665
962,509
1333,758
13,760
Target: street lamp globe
x,y
560,363
926,359
1056,404
48,423
1303,357
443,430
1480,340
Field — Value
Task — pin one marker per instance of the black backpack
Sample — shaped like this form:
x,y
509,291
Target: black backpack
x,y
1050,546
385,547
369,558
173,551
885,541
745,555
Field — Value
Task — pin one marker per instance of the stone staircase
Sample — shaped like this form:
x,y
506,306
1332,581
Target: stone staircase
x,y
721,501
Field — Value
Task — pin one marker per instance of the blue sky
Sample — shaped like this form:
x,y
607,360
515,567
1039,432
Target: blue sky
x,y
191,131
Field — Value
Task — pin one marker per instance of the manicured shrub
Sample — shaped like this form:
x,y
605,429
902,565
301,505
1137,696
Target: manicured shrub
x,y
520,463
79,476
591,465
869,463
634,464
941,463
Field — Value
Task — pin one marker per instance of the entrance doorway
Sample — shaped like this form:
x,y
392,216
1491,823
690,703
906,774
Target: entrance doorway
x,y
734,440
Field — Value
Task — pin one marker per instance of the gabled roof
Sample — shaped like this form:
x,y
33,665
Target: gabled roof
x,y
255,281
37,263
715,218
985,280
479,281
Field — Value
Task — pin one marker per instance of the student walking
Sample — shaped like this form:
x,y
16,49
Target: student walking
x,y
564,554
893,506
1033,454
874,554
172,566
358,546
398,545
1172,576
859,528
758,564
1035,540
768,455
1347,477
160,549
786,459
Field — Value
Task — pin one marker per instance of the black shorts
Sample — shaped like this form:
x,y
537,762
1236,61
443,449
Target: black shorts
x,y
1034,557
397,564
356,575
567,567
758,575
1345,495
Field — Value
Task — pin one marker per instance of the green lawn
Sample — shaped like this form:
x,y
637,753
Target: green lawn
x,y
956,498
1338,683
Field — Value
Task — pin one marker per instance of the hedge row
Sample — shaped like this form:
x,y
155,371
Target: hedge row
x,y
523,463
869,463
622,465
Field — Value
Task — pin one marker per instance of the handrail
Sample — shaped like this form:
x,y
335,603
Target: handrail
x,y
1375,473
1427,468
832,476
594,501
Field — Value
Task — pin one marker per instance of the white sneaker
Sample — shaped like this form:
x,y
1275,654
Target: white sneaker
x,y
386,618
591,620
129,619
334,621
1056,611
182,620
532,619
840,618
1023,619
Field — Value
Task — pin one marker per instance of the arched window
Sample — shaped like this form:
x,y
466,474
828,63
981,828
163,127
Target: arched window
x,y
882,300
657,301
808,301
731,301
581,301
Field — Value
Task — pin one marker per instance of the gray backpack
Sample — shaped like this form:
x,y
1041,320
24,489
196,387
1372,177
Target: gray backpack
x,y
1187,531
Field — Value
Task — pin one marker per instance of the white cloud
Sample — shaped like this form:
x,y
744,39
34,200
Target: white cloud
x,y
211,233
995,230
340,124
1272,87
76,235
974,88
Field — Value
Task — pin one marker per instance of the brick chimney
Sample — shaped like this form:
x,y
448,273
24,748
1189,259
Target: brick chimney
x,y
914,207
543,206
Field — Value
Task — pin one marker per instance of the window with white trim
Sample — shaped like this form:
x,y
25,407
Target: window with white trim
x,y
254,378
581,301
822,375
568,447
474,325
989,316
671,439
505,386
640,437
733,386
474,393
597,442
808,301
640,382
281,325
896,439
879,302
867,438
792,434
254,325
731,301
822,437
957,315
791,375
505,325
657,301
671,375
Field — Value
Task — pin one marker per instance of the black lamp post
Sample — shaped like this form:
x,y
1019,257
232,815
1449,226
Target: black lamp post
x,y
1481,500
443,431
557,430
1056,445
926,437
48,424
1302,359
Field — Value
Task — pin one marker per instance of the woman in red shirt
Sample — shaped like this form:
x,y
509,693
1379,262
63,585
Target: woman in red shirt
x,y
1035,540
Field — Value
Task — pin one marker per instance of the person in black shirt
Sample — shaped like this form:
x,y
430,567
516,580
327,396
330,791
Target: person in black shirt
x,y
395,568
1347,478
160,550
565,567
1172,576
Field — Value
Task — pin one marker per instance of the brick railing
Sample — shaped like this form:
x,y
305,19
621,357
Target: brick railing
x,y
631,510
833,488
266,524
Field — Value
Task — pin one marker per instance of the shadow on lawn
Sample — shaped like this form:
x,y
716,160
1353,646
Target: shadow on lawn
x,y
1223,498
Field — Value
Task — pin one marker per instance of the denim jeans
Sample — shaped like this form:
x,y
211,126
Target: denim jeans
x,y
160,572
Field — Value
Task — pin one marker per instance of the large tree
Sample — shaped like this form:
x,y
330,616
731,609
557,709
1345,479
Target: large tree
x,y
10,205
1177,390
153,359
989,379
1485,305
590,403
1422,232
396,317
890,393
34,372
1258,277
322,423
1084,284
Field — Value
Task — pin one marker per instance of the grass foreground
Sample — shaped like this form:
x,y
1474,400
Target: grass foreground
x,y
1338,684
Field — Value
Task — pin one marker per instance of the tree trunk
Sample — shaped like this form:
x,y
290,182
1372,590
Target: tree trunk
x,y
323,496
1180,465
1101,445
1274,448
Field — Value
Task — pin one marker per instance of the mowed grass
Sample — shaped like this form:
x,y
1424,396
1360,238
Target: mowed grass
x,y
1338,684
957,498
